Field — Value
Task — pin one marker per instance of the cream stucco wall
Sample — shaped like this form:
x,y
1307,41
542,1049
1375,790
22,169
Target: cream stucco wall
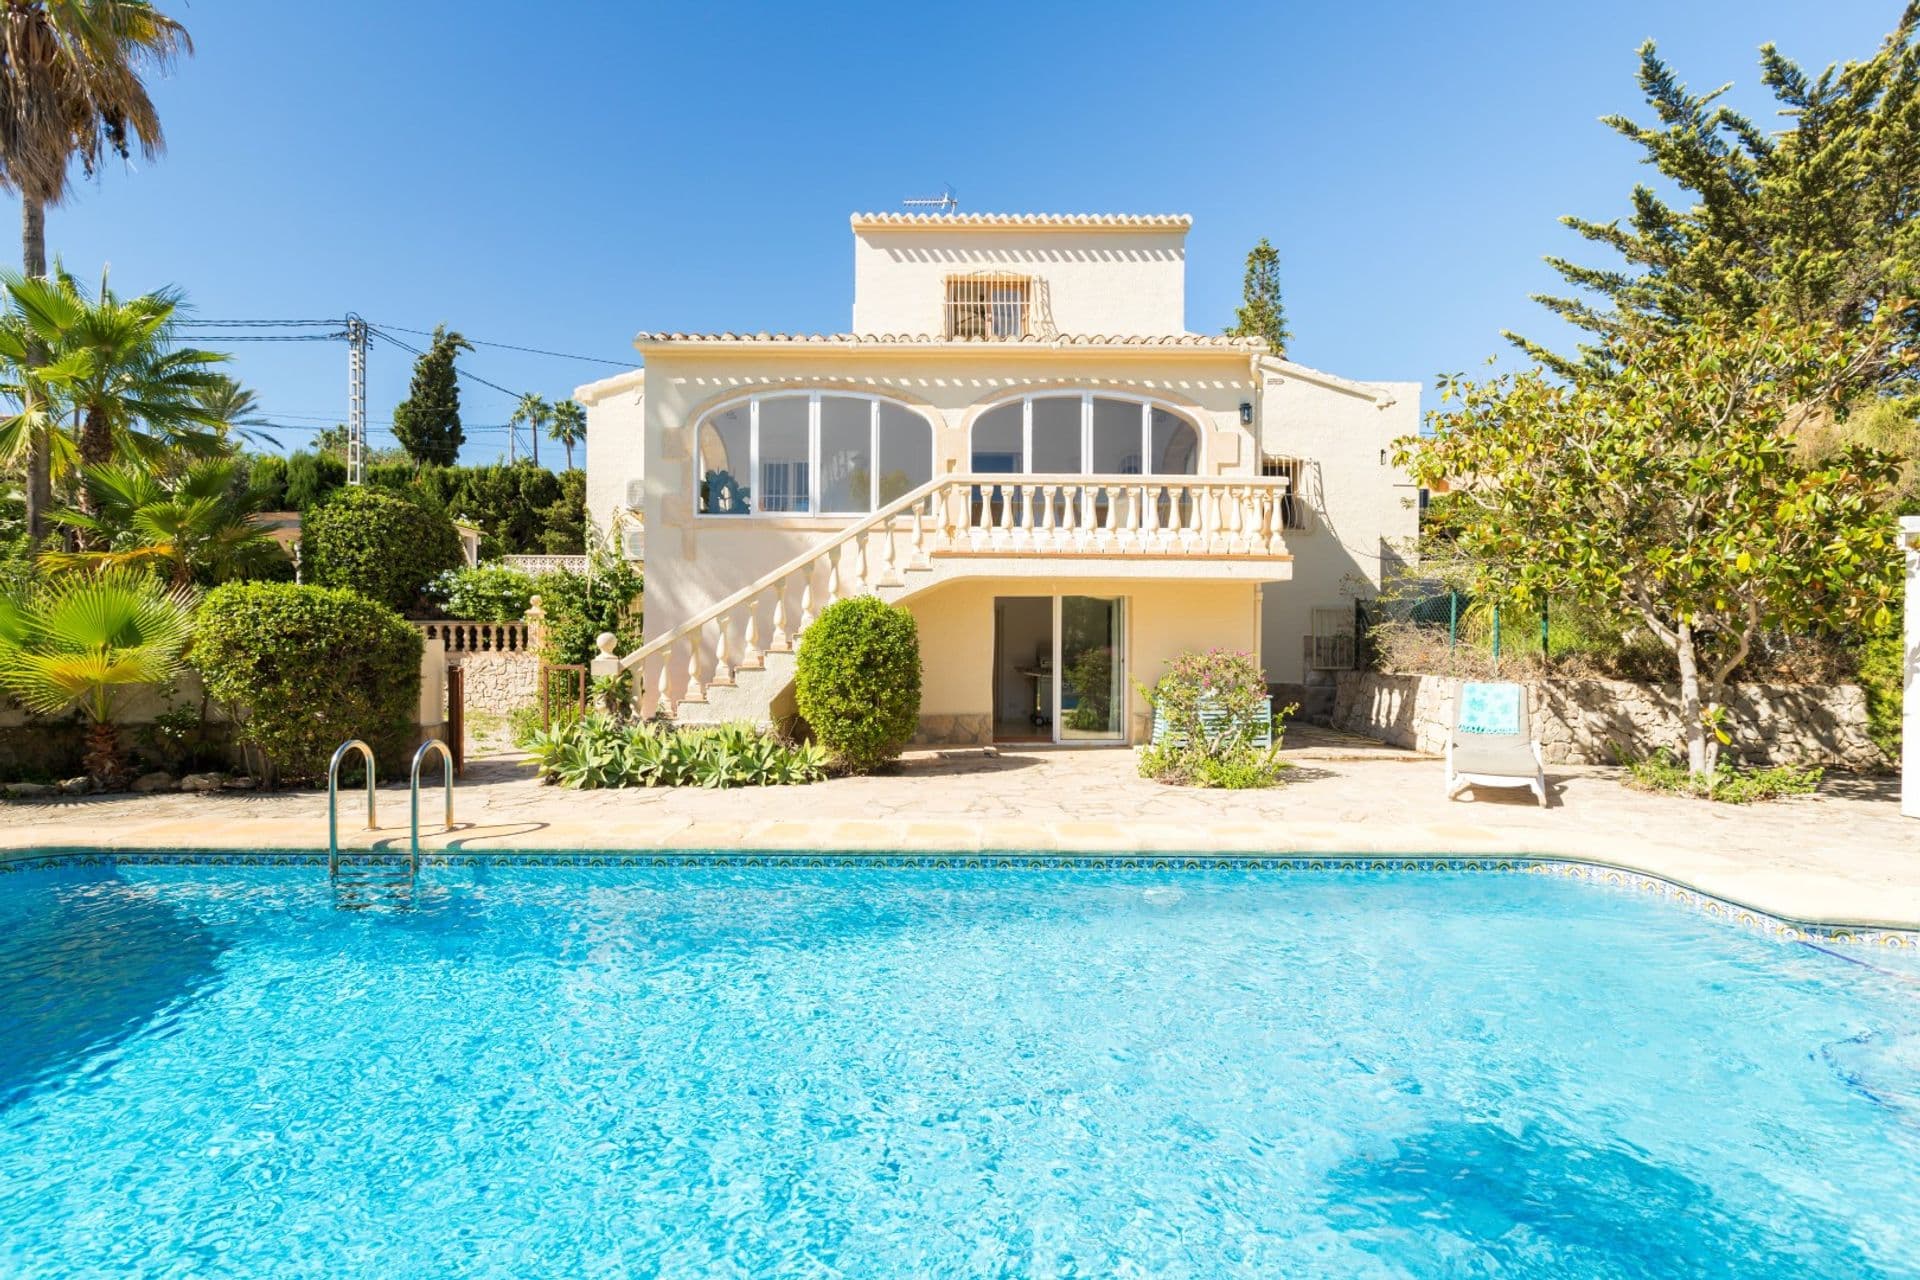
x,y
695,560
1086,280
1364,510
1162,620
616,444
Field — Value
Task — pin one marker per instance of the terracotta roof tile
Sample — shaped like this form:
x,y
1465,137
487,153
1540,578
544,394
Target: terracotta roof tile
x,y
1200,341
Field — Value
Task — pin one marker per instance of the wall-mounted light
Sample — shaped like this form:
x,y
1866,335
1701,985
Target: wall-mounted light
x,y
1246,413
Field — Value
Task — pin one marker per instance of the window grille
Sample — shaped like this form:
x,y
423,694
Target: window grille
x,y
1293,507
989,305
1330,646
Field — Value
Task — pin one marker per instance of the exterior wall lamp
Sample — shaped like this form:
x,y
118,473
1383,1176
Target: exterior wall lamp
x,y
1246,413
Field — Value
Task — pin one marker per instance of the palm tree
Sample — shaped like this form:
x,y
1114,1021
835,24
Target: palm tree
x,y
108,365
197,527
535,413
85,639
71,88
569,426
237,408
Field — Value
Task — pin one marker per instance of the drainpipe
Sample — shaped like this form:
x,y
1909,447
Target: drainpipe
x,y
1910,705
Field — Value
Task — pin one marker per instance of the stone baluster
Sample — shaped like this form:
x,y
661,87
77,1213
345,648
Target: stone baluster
x,y
722,644
920,557
781,640
752,655
889,568
663,688
695,691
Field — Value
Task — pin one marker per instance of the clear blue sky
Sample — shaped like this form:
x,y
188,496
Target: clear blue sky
x,y
563,175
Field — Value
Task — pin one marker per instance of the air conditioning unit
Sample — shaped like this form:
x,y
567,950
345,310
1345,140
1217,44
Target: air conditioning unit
x,y
635,543
636,494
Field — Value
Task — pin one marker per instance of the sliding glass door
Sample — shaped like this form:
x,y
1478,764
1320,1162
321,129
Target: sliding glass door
x,y
1091,664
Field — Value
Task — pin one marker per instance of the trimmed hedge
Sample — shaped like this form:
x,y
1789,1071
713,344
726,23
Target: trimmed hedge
x,y
857,684
309,668
378,544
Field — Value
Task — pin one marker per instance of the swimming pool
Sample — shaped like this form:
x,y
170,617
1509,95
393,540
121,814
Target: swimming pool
x,y
885,1072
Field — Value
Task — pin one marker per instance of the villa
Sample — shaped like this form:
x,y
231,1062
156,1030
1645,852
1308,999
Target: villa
x,y
1022,442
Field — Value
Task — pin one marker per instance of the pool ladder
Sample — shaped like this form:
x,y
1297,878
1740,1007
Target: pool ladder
x,y
359,879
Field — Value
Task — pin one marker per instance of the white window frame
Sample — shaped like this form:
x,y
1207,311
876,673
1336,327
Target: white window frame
x,y
1147,405
813,397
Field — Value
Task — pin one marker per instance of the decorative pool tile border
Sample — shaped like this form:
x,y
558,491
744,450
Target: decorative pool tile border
x,y
1600,874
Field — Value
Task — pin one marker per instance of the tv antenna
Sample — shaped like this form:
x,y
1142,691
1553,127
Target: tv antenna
x,y
945,202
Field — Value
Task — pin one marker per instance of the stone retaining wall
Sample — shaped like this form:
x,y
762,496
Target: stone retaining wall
x,y
1599,721
498,682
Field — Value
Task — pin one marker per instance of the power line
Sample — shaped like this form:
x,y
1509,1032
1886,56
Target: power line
x,y
262,324
258,337
537,351
465,373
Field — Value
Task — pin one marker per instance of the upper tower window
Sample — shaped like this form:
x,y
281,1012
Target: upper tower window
x,y
989,305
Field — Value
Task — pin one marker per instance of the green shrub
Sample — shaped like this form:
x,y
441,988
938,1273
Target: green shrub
x,y
307,668
311,479
488,593
1226,753
857,683
600,751
579,606
1730,784
1879,668
378,544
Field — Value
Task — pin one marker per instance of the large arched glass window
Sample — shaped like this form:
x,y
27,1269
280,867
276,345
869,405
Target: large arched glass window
x,y
796,453
1083,433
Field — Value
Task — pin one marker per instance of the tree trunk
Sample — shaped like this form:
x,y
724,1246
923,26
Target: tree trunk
x,y
96,450
569,447
33,264
1703,745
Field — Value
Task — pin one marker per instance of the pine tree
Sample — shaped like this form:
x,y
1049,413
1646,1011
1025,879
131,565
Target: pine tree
x,y
1813,223
1261,313
428,420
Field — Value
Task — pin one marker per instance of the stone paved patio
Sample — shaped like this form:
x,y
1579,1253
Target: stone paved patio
x,y
1843,856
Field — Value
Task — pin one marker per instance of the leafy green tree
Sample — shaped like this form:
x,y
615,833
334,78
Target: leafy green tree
x,y
71,88
195,526
237,409
86,638
1813,223
533,413
569,426
1671,489
1261,313
428,420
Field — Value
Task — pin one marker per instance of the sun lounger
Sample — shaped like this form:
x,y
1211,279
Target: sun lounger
x,y
1491,743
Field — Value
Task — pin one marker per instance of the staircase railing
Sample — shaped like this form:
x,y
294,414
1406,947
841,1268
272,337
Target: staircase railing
x,y
959,515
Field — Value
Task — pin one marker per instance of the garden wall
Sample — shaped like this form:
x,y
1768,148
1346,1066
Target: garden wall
x,y
1599,721
498,682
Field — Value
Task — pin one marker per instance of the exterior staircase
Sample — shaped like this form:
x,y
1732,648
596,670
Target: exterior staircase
x,y
733,660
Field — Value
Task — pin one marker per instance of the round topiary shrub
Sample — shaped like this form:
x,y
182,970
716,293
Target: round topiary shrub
x,y
378,544
858,681
306,668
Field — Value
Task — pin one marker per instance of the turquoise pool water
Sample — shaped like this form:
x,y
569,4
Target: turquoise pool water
x,y
701,1072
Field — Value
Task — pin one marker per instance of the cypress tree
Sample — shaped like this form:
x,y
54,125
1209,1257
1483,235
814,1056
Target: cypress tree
x,y
428,420
1261,313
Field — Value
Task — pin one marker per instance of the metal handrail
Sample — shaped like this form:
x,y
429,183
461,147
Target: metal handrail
x,y
419,759
333,791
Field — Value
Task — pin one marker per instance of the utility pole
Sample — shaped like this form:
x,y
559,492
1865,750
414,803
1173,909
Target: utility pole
x,y
513,439
356,399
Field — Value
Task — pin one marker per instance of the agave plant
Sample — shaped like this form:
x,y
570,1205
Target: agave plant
x,y
85,639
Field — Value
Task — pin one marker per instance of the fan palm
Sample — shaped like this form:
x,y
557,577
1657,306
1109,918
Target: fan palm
x,y
71,88
533,411
569,426
194,527
85,639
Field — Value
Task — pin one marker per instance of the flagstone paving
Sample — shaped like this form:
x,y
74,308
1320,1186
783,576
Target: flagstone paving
x,y
1844,855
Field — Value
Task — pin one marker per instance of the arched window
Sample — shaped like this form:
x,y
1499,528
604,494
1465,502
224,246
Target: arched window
x,y
1084,433
810,452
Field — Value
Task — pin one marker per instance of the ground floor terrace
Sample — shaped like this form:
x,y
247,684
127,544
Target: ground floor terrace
x,y
1842,856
